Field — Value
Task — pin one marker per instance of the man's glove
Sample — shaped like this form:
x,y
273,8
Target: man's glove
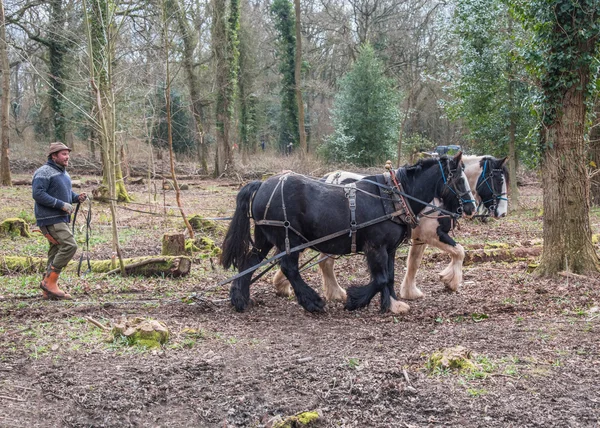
x,y
68,208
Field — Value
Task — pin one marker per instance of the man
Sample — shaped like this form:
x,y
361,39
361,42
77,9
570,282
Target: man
x,y
54,197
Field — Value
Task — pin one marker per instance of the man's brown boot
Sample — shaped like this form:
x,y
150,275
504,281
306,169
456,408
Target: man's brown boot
x,y
45,295
50,285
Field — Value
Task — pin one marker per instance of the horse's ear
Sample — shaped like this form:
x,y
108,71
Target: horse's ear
x,y
458,157
503,161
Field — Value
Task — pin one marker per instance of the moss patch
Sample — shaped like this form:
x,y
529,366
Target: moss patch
x,y
142,332
203,245
297,421
204,225
497,245
457,358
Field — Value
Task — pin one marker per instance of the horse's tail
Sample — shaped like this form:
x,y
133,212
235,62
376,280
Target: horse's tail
x,y
237,240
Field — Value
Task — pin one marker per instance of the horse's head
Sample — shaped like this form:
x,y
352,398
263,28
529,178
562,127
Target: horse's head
x,y
491,185
455,191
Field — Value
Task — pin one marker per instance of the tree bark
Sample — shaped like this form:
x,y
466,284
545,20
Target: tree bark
x,y
298,78
567,232
595,157
5,178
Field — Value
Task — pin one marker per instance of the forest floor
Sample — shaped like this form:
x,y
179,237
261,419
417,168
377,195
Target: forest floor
x,y
534,343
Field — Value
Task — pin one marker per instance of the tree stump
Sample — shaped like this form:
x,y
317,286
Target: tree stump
x,y
14,227
173,244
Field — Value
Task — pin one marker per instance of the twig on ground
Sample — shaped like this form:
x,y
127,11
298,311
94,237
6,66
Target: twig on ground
x,y
577,276
404,372
97,323
5,397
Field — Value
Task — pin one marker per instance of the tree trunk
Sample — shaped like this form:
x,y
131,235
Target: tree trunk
x,y
57,49
595,157
190,41
5,178
298,78
170,123
567,233
223,156
512,153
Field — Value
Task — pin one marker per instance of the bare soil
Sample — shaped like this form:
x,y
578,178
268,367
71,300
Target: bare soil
x,y
535,341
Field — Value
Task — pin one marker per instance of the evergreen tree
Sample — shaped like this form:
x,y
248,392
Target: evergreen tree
x,y
365,114
285,24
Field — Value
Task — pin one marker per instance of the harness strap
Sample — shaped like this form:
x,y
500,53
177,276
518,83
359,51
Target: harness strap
x,y
401,193
350,190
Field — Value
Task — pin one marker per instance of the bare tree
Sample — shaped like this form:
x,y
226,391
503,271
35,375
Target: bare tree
x,y
5,179
166,41
190,40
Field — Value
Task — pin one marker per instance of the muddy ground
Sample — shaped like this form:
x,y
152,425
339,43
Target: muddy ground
x,y
534,342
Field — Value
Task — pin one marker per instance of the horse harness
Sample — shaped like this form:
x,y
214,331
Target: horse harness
x,y
485,179
393,198
350,190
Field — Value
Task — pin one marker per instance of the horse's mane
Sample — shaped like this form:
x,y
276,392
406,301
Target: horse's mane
x,y
402,174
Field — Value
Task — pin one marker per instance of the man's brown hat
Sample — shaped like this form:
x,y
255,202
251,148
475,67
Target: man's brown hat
x,y
57,147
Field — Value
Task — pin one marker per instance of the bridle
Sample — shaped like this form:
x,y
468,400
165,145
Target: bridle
x,y
460,196
485,179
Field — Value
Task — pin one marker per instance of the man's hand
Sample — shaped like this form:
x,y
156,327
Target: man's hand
x,y
82,197
68,208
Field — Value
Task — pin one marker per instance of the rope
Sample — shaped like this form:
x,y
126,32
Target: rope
x,y
88,229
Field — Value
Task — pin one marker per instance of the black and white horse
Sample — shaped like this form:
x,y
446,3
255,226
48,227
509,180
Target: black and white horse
x,y
290,210
485,173
488,178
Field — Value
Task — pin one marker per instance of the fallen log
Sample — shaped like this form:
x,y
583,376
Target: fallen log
x,y
174,266
25,182
508,255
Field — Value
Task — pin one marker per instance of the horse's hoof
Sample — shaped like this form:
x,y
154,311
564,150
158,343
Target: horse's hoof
x,y
451,287
318,306
337,297
240,305
413,294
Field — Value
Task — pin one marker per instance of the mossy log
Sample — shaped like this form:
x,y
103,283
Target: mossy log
x,y
145,266
508,255
14,227
26,182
